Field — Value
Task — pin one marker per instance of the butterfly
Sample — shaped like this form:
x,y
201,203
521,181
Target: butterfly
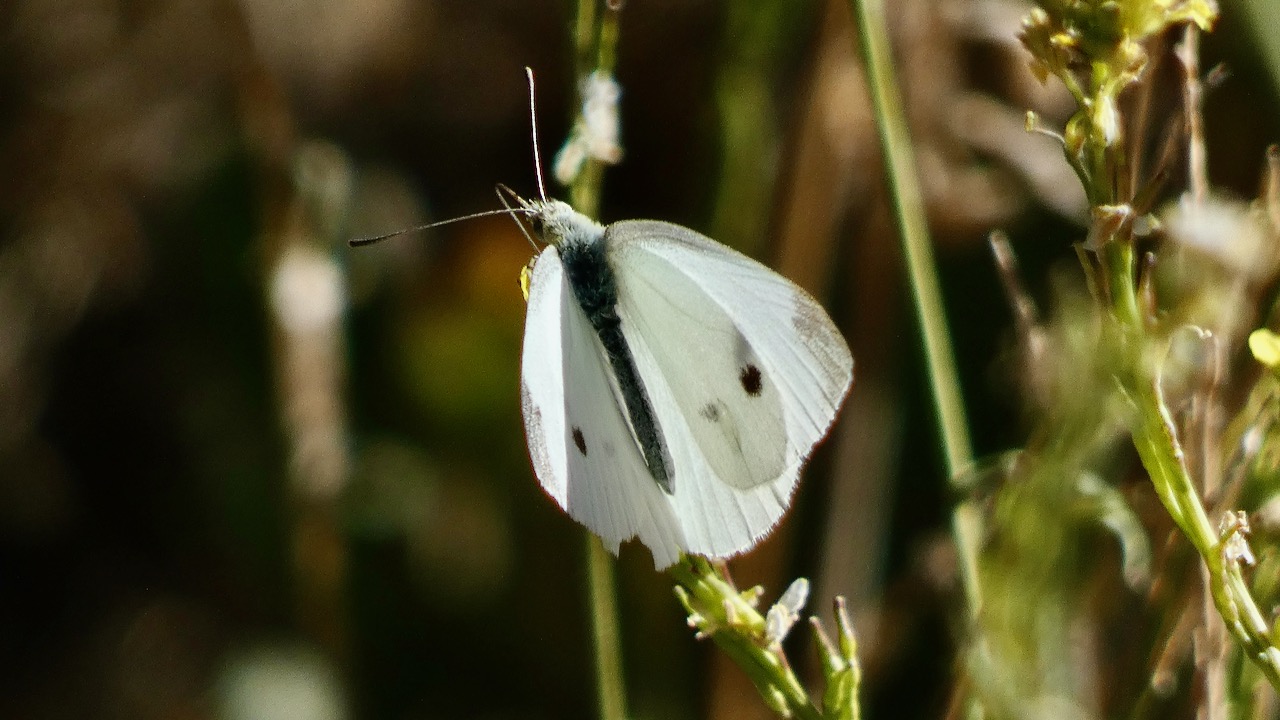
x,y
672,388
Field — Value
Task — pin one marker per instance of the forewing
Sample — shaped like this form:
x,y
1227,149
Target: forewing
x,y
582,448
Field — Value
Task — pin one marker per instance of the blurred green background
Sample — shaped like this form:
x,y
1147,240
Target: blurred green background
x,y
246,472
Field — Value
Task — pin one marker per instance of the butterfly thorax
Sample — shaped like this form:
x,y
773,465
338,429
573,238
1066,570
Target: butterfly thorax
x,y
557,223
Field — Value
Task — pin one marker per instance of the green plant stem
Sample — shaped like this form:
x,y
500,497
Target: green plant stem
x,y
584,194
1156,440
595,38
895,142
738,635
612,700
1154,434
585,37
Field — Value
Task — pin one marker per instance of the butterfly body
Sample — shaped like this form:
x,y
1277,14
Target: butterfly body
x,y
672,388
591,279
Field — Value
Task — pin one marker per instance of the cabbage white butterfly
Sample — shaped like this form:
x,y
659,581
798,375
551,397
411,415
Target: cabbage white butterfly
x,y
672,388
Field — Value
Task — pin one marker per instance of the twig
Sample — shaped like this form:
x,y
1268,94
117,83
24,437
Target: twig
x,y
1193,99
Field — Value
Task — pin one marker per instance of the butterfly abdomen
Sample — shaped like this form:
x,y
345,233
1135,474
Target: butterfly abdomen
x,y
596,290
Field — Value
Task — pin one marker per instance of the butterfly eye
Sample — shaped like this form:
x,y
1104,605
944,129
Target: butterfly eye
x,y
537,224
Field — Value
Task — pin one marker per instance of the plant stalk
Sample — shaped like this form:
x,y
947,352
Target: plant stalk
x,y
597,27
908,205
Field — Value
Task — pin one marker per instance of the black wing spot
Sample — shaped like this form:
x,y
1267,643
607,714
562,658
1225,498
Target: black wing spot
x,y
710,411
751,380
579,441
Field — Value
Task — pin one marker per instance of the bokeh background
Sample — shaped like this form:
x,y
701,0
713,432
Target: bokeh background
x,y
249,473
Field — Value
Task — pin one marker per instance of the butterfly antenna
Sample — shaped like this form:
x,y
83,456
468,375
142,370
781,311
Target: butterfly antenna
x,y
533,125
361,242
514,211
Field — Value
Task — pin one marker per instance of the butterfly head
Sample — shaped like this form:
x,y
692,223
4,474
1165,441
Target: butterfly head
x,y
556,222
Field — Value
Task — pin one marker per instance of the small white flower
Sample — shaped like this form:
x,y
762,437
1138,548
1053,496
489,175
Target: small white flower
x,y
786,612
1108,219
1107,119
601,94
307,291
1235,546
596,133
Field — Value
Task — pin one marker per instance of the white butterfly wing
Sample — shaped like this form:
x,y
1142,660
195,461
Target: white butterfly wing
x,y
745,370
582,448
